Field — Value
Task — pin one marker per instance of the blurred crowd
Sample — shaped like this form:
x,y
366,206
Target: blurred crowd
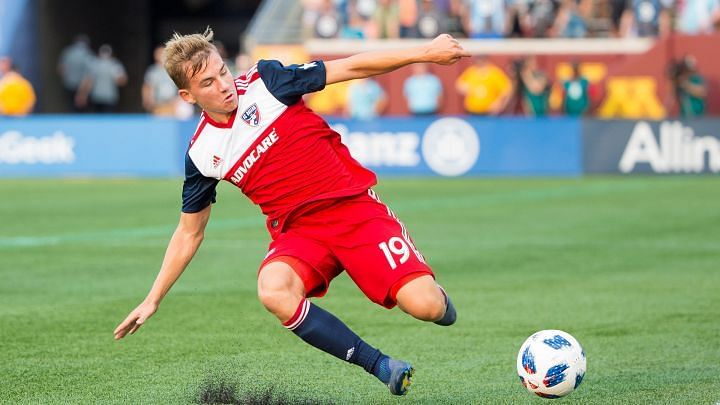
x,y
507,18
92,80
488,89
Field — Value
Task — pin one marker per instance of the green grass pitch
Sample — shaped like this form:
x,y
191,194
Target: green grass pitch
x,y
629,265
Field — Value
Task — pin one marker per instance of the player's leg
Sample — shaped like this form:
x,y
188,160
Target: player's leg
x,y
280,289
282,286
424,299
381,257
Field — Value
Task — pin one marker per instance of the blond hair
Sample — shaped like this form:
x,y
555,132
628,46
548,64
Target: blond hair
x,y
186,55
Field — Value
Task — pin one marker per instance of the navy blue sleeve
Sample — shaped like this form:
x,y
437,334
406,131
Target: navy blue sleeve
x,y
198,190
289,83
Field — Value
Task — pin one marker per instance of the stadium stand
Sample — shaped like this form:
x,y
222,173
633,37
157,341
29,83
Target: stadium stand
x,y
605,37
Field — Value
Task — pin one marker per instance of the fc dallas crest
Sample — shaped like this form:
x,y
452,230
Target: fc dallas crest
x,y
251,116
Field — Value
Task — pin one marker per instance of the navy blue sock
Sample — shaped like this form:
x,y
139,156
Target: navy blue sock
x,y
450,314
323,330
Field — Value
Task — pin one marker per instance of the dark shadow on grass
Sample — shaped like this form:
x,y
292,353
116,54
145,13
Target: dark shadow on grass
x,y
215,391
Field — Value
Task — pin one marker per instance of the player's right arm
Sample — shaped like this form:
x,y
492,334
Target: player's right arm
x,y
198,196
182,247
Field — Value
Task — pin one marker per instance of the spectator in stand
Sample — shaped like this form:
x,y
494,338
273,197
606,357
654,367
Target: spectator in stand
x,y
386,20
534,88
576,92
341,8
422,90
356,23
540,18
431,20
485,18
616,8
569,23
17,96
72,67
327,23
645,18
159,94
366,99
690,88
455,11
485,87
443,6
517,19
99,88
311,13
408,15
698,16
365,8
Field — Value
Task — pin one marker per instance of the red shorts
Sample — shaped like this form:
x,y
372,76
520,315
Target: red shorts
x,y
358,234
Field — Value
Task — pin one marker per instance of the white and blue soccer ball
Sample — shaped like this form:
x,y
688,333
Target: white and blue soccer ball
x,y
551,363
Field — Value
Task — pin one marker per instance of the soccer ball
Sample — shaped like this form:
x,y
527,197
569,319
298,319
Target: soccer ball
x,y
551,363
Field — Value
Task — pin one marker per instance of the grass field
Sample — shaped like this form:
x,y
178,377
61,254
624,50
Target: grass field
x,y
629,266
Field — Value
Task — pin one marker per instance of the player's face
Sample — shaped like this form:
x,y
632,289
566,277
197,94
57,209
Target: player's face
x,y
213,89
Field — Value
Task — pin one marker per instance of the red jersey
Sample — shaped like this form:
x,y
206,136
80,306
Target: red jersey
x,y
277,151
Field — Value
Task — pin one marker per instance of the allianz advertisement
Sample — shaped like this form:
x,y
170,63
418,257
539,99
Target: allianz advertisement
x,y
652,147
456,146
72,146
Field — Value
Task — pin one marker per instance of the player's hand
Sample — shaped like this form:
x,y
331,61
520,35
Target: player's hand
x,y
445,50
135,320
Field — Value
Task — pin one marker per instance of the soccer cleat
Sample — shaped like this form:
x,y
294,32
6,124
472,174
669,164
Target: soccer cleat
x,y
400,376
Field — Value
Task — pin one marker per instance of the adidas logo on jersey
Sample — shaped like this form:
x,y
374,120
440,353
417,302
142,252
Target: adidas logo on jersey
x,y
217,160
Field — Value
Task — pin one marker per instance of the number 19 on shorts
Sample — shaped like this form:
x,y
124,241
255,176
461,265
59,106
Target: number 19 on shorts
x,y
396,251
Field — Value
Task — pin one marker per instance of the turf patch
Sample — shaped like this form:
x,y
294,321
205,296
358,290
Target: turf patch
x,y
216,390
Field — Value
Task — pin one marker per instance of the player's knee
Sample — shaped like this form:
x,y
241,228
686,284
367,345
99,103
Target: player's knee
x,y
281,302
271,298
422,298
279,293
434,308
429,307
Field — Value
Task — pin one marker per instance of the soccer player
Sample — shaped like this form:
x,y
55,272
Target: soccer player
x,y
323,217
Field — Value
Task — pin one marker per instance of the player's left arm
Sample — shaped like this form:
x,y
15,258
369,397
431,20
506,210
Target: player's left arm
x,y
443,50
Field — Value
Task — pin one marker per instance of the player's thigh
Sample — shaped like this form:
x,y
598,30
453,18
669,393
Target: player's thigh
x,y
311,261
277,276
383,257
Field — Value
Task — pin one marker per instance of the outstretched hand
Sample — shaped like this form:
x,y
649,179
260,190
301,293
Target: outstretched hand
x,y
135,320
445,50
